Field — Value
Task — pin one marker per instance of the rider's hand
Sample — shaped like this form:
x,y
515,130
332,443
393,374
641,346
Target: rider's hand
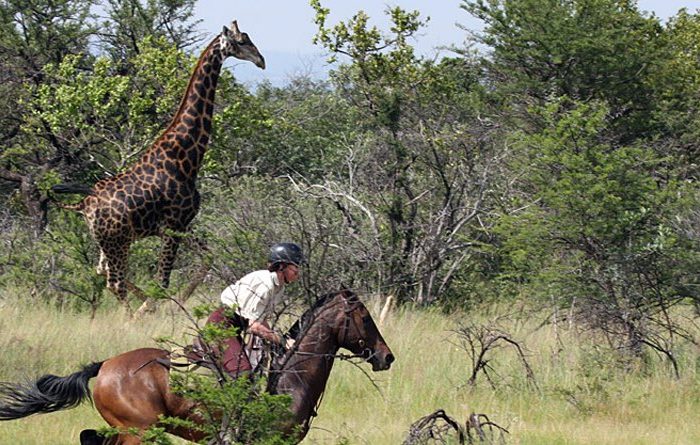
x,y
289,344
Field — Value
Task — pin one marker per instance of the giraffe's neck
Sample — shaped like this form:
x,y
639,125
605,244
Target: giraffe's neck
x,y
190,128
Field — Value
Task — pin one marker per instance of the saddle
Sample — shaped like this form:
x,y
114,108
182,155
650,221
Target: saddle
x,y
201,359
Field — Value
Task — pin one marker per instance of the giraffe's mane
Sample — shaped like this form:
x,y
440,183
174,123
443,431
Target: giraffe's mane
x,y
183,100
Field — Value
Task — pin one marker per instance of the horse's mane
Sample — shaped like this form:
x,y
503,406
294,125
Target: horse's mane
x,y
303,323
299,329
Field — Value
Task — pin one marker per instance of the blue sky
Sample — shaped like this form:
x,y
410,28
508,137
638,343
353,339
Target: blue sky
x,y
283,29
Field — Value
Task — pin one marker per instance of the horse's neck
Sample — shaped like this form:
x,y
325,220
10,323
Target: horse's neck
x,y
305,374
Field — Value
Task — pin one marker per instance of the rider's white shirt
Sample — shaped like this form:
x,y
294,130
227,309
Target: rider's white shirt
x,y
255,294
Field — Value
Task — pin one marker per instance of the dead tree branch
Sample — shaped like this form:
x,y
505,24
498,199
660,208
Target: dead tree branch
x,y
479,341
440,428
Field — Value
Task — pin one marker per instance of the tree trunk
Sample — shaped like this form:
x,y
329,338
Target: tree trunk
x,y
35,202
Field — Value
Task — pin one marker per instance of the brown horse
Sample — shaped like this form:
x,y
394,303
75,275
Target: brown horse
x,y
132,389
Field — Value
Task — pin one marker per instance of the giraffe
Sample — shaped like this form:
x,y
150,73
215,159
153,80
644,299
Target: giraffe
x,y
157,196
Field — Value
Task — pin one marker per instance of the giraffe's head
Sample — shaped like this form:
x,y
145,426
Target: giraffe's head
x,y
237,44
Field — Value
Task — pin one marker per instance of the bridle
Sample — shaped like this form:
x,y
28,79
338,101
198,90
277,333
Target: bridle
x,y
367,353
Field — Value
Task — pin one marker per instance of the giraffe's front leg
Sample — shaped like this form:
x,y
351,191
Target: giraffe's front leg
x,y
167,258
113,260
165,266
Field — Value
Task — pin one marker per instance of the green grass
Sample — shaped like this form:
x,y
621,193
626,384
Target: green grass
x,y
584,397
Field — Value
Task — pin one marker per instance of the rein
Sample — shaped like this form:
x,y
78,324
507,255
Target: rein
x,y
348,309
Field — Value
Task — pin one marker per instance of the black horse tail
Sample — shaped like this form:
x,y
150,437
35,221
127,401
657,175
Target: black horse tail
x,y
47,394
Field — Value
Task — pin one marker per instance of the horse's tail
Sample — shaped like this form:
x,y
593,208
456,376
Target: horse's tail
x,y
79,189
47,394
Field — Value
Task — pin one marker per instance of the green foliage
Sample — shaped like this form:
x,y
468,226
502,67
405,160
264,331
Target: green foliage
x,y
58,267
109,117
597,202
675,83
151,436
382,66
231,411
37,32
301,129
599,229
583,49
132,21
252,416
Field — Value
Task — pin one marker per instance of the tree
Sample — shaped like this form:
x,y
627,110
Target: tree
x,y
105,117
425,152
599,231
35,33
131,21
675,84
582,49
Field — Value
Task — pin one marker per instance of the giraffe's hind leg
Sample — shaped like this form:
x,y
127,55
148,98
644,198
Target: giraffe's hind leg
x,y
116,274
200,246
169,250
102,266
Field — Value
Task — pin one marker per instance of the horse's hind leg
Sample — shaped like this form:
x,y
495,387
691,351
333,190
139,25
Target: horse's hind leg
x,y
129,439
90,437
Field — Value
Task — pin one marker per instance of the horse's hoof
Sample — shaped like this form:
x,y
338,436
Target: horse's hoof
x,y
90,437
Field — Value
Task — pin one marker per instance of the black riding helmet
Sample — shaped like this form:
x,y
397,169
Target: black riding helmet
x,y
286,253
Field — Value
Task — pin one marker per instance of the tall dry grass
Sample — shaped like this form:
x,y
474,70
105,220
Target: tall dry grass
x,y
585,396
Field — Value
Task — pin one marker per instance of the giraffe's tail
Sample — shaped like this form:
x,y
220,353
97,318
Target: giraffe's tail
x,y
71,187
80,189
74,207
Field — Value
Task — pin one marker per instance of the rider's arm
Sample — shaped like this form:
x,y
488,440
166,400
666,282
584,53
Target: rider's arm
x,y
262,330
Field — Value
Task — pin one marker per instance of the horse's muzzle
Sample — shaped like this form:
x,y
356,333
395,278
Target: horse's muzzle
x,y
382,362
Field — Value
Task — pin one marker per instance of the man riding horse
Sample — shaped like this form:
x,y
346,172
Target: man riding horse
x,y
254,298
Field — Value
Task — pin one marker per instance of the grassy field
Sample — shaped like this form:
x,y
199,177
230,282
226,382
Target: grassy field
x,y
584,396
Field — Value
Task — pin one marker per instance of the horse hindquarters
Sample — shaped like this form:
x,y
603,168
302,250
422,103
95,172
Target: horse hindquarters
x,y
133,390
129,391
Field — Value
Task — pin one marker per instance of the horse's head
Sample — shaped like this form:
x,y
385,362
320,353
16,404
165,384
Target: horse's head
x,y
359,334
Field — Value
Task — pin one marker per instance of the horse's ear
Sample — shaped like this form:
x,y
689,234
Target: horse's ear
x,y
348,286
347,292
